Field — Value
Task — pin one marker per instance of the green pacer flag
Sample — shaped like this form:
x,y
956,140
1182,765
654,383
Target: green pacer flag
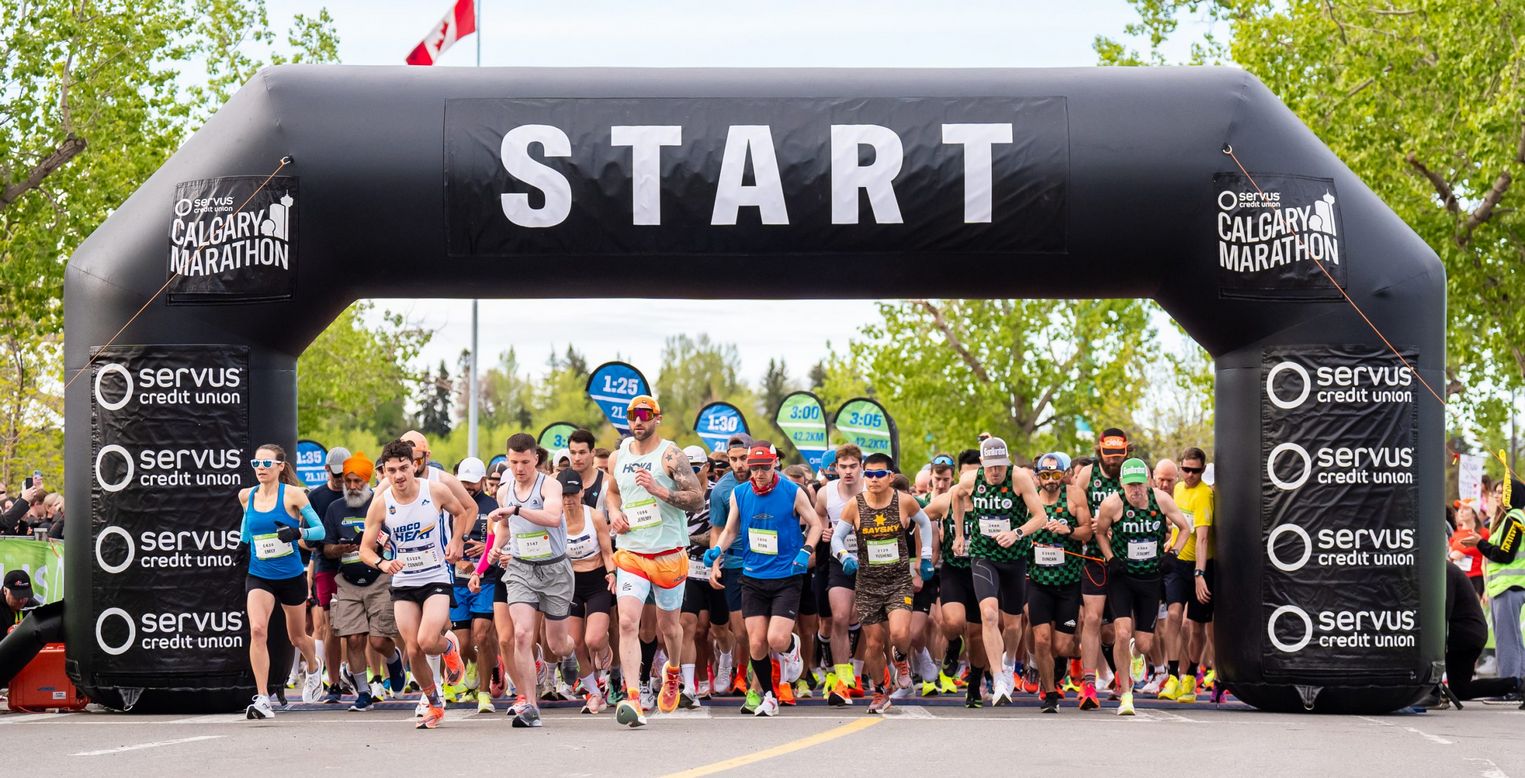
x,y
802,419
556,435
869,426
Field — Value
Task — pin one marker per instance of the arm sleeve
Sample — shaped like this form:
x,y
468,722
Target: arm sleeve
x,y
924,528
839,530
482,563
314,531
244,533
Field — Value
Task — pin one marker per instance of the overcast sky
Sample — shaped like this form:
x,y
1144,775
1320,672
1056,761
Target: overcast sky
x,y
667,33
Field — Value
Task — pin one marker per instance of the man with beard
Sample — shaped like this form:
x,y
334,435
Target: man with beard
x,y
361,606
1053,597
580,446
472,616
1092,484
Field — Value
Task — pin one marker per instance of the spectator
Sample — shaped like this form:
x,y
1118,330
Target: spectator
x,y
16,599
11,521
1468,559
55,505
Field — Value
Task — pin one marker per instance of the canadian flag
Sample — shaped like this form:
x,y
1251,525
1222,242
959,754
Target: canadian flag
x,y
459,22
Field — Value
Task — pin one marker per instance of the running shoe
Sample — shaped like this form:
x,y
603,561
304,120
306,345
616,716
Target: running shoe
x,y
422,708
431,719
334,697
1218,694
741,686
1050,703
397,677
672,685
879,703
972,697
484,703
648,696
947,685
1155,685
768,706
802,690
1069,685
615,694
629,714
593,703
1172,685
378,691
455,669
260,708
563,691
929,689
1188,690
527,718
704,690
1000,696
838,695
902,673
312,687
785,693
1210,680
1125,705
856,689
723,670
498,685
471,676
280,702
1030,685
687,700
411,685
1088,699
520,703
749,705
1136,668
790,665
363,702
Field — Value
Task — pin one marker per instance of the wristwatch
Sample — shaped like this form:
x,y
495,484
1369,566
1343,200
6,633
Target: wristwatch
x,y
1199,573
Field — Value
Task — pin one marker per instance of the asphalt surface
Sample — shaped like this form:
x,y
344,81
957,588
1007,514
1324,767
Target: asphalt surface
x,y
936,736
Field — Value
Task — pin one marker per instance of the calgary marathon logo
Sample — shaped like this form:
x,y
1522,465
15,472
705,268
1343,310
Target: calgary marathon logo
x,y
233,237
1274,236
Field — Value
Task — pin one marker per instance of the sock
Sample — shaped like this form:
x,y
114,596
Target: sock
x,y
763,670
590,683
434,663
648,655
823,650
1173,667
1106,653
925,668
1010,665
358,679
976,676
434,699
1089,678
950,657
688,677
1191,669
853,634
857,665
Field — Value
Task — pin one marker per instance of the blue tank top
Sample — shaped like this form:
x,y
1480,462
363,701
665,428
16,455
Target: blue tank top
x,y
268,556
770,530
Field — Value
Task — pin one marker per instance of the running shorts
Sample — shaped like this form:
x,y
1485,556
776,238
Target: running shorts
x,y
1135,598
1056,605
1202,612
878,594
287,591
590,593
1002,581
470,606
1180,585
770,597
324,587
837,578
547,586
921,601
363,610
956,585
421,594
660,576
699,597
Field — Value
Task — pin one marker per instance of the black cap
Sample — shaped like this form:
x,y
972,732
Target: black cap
x,y
571,482
19,584
739,440
1516,494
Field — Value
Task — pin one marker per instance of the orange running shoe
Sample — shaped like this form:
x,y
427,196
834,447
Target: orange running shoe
x,y
432,717
1088,699
455,669
1030,686
903,673
856,690
672,684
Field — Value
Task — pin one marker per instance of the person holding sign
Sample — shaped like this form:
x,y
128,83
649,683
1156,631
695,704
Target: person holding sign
x,y
767,513
648,501
274,519
1053,566
879,517
1131,529
422,591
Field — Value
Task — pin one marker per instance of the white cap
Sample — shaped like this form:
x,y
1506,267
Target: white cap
x,y
696,455
471,470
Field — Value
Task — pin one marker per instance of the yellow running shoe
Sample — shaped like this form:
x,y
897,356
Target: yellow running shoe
x,y
1209,680
1136,667
1168,691
1125,705
946,685
1188,692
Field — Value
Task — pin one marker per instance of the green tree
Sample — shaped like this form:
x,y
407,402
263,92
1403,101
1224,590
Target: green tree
x,y
349,379
696,371
508,398
31,411
434,404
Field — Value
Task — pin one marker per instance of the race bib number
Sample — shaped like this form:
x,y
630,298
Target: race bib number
x,y
1143,550
643,514
270,547
532,546
420,559
990,527
1465,563
582,547
697,570
763,541
850,542
352,558
883,552
1048,556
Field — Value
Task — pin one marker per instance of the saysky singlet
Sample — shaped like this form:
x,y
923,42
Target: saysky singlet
x,y
883,541
997,508
1052,561
1138,536
1099,488
528,541
418,537
655,526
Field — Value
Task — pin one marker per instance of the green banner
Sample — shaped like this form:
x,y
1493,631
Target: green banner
x,y
803,420
556,435
868,425
43,560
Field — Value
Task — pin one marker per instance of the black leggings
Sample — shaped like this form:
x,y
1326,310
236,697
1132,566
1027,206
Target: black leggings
x,y
1002,581
1460,662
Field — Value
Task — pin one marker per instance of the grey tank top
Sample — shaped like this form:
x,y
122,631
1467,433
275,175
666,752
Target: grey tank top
x,y
531,542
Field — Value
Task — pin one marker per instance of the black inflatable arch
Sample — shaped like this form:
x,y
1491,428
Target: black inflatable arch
x,y
443,182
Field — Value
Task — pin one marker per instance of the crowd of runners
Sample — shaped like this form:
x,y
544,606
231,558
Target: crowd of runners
x,y
655,578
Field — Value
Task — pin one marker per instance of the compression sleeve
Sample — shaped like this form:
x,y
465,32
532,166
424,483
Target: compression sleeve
x,y
924,527
244,533
839,530
482,563
314,532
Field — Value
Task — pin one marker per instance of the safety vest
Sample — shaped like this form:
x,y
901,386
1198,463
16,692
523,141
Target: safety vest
x,y
1509,537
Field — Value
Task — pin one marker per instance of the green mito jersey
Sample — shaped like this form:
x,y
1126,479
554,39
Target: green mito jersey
x,y
948,557
1053,560
997,508
1138,537
1100,488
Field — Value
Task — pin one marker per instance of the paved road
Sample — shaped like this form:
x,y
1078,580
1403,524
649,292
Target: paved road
x,y
936,736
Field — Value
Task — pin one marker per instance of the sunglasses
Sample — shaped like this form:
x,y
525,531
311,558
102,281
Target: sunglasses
x,y
642,414
720,464
697,468
1193,470
1051,475
876,474
943,461
263,464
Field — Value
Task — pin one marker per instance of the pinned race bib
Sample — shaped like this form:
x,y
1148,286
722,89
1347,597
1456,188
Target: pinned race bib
x,y
883,552
850,542
697,571
990,527
419,560
1048,556
582,546
643,513
1465,563
1143,550
532,546
270,547
763,541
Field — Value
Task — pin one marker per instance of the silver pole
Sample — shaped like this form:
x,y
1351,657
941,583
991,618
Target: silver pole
x,y
473,400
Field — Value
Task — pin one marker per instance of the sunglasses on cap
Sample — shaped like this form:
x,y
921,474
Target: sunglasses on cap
x,y
876,474
643,414
1193,470
942,460
263,464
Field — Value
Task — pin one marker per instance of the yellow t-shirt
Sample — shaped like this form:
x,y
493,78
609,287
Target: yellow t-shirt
x,y
1197,504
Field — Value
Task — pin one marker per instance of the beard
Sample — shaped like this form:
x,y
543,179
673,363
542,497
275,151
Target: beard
x,y
356,498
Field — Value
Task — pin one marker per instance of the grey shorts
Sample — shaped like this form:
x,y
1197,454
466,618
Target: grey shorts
x,y
547,587
363,610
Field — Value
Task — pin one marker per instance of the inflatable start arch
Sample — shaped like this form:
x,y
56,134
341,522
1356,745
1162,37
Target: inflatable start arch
x,y
315,186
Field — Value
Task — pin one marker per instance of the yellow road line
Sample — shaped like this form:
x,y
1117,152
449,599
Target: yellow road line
x,y
780,750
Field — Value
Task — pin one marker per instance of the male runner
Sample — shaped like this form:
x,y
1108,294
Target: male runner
x,y
926,628
1131,531
878,516
730,579
1179,589
960,609
1196,500
1006,510
471,617
1092,484
829,501
652,490
580,445
704,606
1053,598
766,513
410,514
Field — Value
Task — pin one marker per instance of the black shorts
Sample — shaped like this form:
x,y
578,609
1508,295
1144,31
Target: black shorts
x,y
1135,598
820,580
956,584
1202,612
700,597
837,578
287,591
809,606
1056,605
921,602
421,594
1002,581
499,593
770,597
1180,584
730,578
1093,578
590,593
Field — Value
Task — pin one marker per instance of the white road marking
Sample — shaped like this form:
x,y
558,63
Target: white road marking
x,y
1175,717
1488,768
34,718
155,744
912,712
1378,722
1431,738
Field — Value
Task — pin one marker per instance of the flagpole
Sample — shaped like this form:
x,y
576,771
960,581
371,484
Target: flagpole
x,y
473,399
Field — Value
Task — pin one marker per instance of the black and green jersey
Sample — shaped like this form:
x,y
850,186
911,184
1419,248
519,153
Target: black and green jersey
x,y
1099,488
1052,560
948,558
997,508
1138,537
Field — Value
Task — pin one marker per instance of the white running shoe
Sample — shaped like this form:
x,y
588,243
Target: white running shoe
x,y
1154,685
687,699
768,706
723,668
260,708
1001,690
379,691
790,665
422,708
648,696
312,687
704,690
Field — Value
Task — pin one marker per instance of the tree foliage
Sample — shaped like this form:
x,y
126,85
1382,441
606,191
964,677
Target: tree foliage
x,y
354,376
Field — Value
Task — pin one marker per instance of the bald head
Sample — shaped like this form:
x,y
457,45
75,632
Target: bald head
x,y
1166,476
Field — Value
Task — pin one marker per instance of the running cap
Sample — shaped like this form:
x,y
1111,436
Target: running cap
x,y
993,452
761,454
1134,471
696,455
1055,460
360,465
739,440
336,457
571,482
561,454
1113,441
19,584
829,459
471,470
644,401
